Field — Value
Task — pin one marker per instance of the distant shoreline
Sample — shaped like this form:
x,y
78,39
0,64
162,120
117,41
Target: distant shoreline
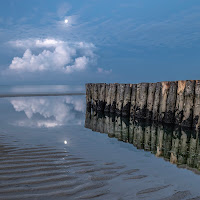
x,y
38,95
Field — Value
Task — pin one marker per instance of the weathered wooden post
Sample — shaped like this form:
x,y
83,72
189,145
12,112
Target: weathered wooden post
x,y
120,98
101,96
127,100
107,98
113,88
141,100
88,96
180,102
133,100
150,100
163,100
156,102
171,103
188,104
196,113
94,96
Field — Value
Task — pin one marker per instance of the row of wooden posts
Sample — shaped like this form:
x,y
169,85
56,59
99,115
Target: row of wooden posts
x,y
174,102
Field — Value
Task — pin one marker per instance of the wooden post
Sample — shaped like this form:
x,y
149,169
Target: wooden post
x,y
156,102
196,117
113,88
101,96
107,98
127,100
94,96
180,102
88,96
120,98
133,100
171,103
163,100
141,100
150,100
188,104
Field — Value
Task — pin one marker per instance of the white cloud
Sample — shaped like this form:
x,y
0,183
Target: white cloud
x,y
56,55
103,71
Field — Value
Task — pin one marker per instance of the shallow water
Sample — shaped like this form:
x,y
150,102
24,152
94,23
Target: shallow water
x,y
47,153
40,89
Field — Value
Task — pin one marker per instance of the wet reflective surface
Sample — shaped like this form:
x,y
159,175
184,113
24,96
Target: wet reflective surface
x,y
178,145
47,153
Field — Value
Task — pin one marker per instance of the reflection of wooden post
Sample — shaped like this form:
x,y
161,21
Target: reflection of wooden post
x,y
107,98
88,120
113,97
94,121
192,155
147,138
150,100
196,119
160,134
120,98
179,102
188,104
175,146
133,100
141,100
153,138
131,130
184,140
125,130
163,100
171,103
118,127
127,100
156,102
111,131
101,96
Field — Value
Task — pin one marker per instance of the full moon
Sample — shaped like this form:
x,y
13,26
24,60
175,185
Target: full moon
x,y
66,21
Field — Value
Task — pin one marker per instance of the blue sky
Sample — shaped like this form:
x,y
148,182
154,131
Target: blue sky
x,y
102,41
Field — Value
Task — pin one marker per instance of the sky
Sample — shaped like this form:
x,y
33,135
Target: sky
x,y
78,41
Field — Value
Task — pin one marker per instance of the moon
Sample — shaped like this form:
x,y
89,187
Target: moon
x,y
66,21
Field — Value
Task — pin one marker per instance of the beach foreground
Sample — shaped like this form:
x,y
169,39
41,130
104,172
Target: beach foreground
x,y
47,153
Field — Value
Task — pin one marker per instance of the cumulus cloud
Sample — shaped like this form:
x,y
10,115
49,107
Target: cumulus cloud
x,y
103,71
55,55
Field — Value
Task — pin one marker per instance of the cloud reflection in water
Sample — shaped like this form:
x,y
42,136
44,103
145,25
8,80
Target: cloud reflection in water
x,y
50,111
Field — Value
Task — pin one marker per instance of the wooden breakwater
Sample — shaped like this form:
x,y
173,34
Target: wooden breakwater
x,y
172,102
